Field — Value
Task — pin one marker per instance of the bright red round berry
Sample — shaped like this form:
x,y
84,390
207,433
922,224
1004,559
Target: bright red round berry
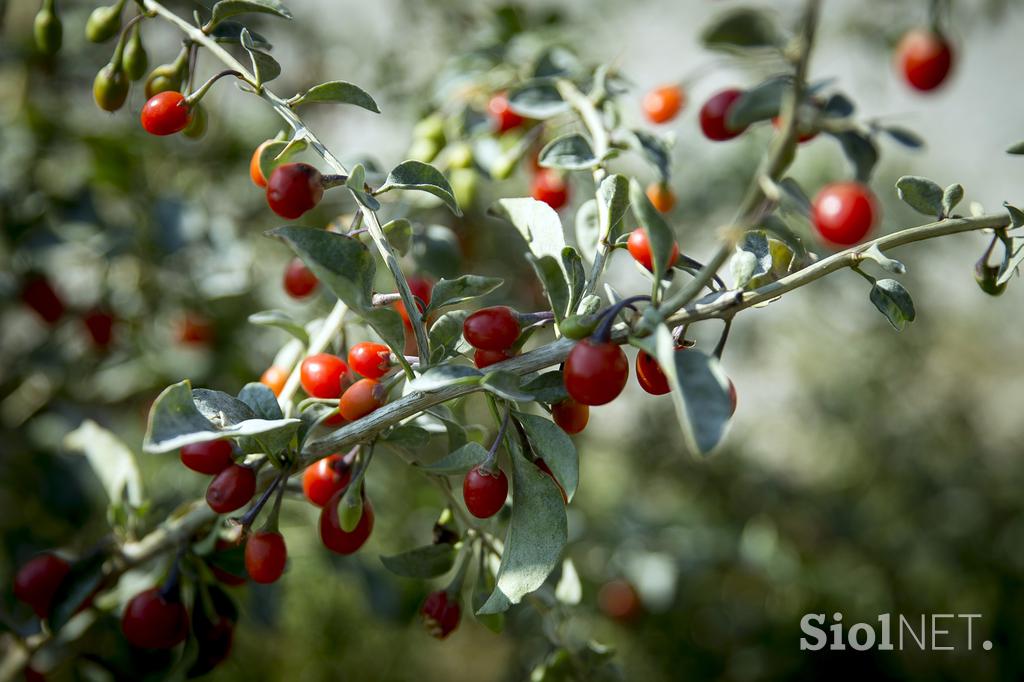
x,y
325,477
714,113
299,281
649,374
100,325
360,399
39,295
265,556
293,189
925,58
485,358
440,614
640,248
495,328
38,580
165,113
595,372
844,212
211,457
484,492
371,360
570,415
421,287
322,375
231,489
662,104
504,118
332,534
548,186
154,621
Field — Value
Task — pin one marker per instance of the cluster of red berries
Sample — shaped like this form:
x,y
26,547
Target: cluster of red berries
x,y
233,485
493,332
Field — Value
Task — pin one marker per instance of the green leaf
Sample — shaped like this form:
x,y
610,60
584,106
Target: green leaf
x,y
921,194
485,584
570,152
407,437
224,410
458,462
659,234
951,196
753,258
576,276
654,148
1010,264
588,230
176,421
889,264
778,228
423,562
504,385
451,291
699,390
537,222
78,585
549,272
230,560
538,99
1016,149
399,235
893,301
445,335
229,8
1016,215
613,202
759,103
337,92
261,400
231,32
905,137
548,387
741,28
861,152
111,460
281,320
838,105
264,67
441,376
793,197
555,447
416,175
456,432
536,536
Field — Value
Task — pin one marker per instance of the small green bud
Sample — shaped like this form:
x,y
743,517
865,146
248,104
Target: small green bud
x,y
430,128
460,155
48,31
166,77
197,124
577,327
110,89
464,183
424,150
104,23
986,275
135,59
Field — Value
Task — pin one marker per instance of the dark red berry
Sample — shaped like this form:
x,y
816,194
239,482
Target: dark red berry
x,y
649,374
494,328
421,287
548,186
153,621
332,534
325,477
293,189
371,360
640,248
486,358
39,295
543,466
299,281
231,489
322,375
37,581
844,212
925,58
195,329
440,613
503,116
265,556
100,325
714,113
165,113
484,492
570,415
619,601
360,399
595,372
214,632
211,457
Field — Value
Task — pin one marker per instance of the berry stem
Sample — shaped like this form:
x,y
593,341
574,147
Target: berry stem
x,y
249,517
489,465
197,95
604,331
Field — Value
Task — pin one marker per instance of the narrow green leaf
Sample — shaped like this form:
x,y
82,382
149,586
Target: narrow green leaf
x,y
951,196
229,8
656,149
555,447
921,194
441,376
548,387
905,137
504,385
549,272
261,400
537,222
451,291
1016,149
399,234
659,234
423,562
742,28
576,276
753,258
538,99
893,301
337,92
416,175
1010,264
1016,215
281,320
588,230
264,67
889,264
458,462
760,103
613,202
231,32
570,152
860,150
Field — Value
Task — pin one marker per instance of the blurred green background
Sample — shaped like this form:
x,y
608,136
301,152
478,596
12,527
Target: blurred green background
x,y
867,471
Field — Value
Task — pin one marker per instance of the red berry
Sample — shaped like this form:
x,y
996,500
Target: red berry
x,y
640,248
100,325
210,458
440,614
39,295
802,134
371,360
486,358
494,328
925,58
334,419
570,415
153,621
214,632
733,398
322,375
336,539
255,172
293,189
231,489
165,113
195,329
619,601
844,212
484,492
324,477
714,112
421,288
274,378
595,372
543,466
549,187
663,104
504,118
37,581
265,556
360,399
649,374
221,574
299,281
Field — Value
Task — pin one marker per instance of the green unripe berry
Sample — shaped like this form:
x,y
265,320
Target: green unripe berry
x,y
197,125
424,150
49,33
430,128
136,61
986,275
168,76
460,155
104,23
464,183
110,89
577,327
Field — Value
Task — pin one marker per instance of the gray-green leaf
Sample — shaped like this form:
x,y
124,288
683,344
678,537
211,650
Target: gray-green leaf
x,y
430,561
555,447
451,291
416,175
281,320
571,152
893,301
921,194
339,92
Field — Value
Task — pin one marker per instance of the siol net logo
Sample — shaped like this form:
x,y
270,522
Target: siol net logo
x,y
934,632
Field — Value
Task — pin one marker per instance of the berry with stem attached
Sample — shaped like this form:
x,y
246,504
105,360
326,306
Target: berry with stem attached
x,y
299,281
323,375
136,61
662,104
925,59
334,537
371,360
441,613
549,186
165,113
361,398
325,477
293,189
211,457
570,415
38,580
265,556
110,87
595,372
231,489
639,246
484,490
47,29
495,328
843,213
155,620
714,113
